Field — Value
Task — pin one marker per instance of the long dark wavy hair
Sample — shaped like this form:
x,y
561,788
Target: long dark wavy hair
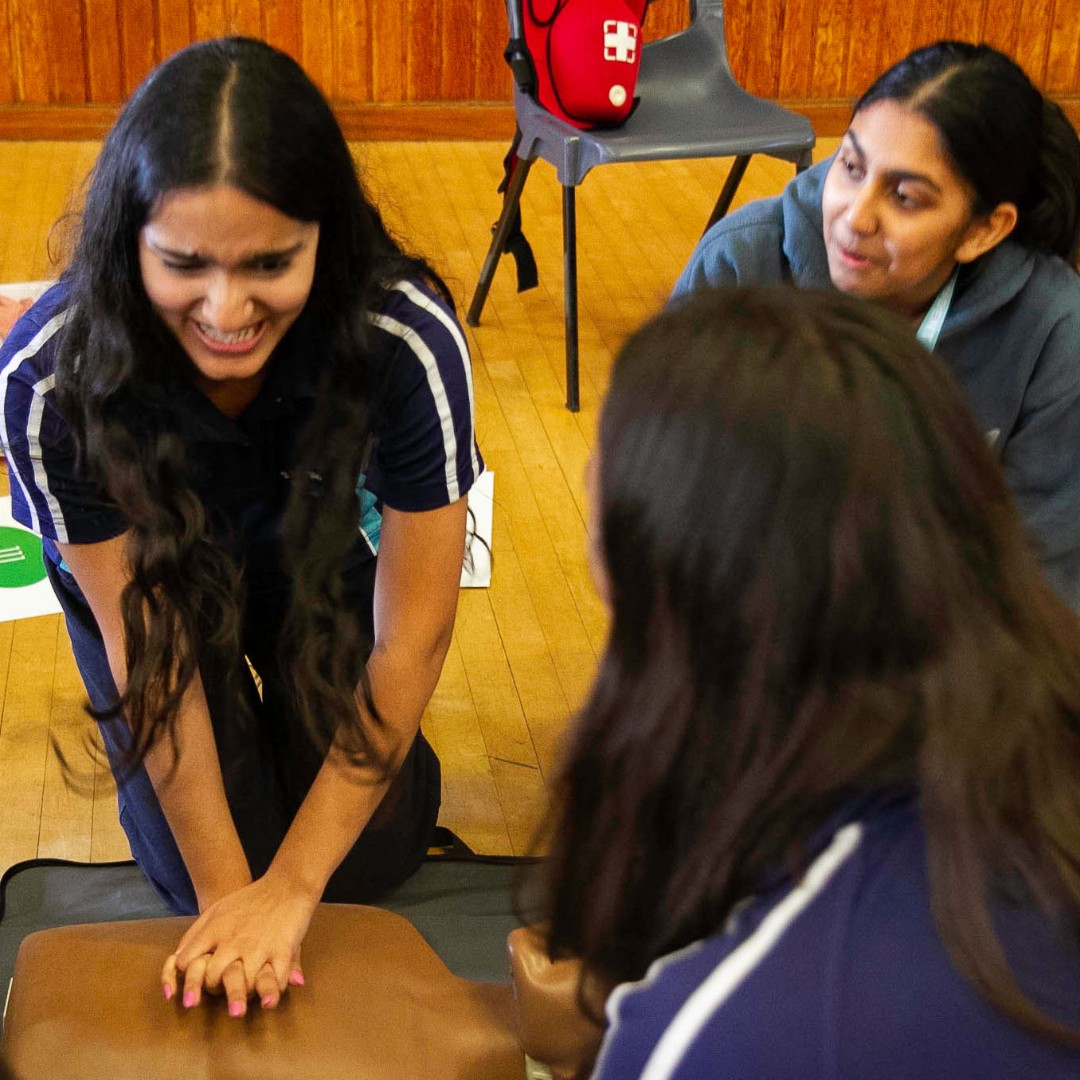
x,y
240,112
820,591
1003,136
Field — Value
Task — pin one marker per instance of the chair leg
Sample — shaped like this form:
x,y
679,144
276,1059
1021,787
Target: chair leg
x,y
498,240
731,185
570,305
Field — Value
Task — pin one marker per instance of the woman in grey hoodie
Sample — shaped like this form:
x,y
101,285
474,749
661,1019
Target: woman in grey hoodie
x,y
955,199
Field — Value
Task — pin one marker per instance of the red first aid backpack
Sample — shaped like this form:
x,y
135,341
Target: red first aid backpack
x,y
580,60
585,55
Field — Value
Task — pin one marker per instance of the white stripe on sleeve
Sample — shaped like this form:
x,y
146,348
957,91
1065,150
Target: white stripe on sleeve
x,y
41,477
700,1006
33,431
438,393
407,288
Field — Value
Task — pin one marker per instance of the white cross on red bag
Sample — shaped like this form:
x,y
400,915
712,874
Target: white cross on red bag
x,y
620,41
586,55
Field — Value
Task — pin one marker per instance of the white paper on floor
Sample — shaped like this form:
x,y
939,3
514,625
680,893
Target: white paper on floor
x,y
24,589
476,573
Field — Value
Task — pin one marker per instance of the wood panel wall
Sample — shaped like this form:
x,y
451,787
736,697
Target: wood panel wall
x,y
832,49
421,67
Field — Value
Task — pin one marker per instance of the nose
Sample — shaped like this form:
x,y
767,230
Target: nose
x,y
227,305
861,215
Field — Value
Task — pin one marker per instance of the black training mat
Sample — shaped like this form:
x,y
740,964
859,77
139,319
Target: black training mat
x,y
463,907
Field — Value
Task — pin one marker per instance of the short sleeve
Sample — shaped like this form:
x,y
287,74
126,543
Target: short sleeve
x,y
48,494
426,454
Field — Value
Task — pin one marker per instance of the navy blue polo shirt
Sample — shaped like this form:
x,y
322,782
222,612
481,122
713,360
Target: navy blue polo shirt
x,y
424,454
842,976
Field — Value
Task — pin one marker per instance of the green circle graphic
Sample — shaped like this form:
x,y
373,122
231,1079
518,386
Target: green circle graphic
x,y
20,558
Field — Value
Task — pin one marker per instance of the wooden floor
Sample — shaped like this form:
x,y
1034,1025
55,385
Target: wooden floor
x,y
524,650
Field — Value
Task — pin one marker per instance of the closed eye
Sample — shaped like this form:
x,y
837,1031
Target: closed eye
x,y
185,265
271,264
852,167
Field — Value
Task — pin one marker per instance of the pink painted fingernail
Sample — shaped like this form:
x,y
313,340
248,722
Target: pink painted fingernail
x,y
236,1008
166,989
296,978
189,998
267,1000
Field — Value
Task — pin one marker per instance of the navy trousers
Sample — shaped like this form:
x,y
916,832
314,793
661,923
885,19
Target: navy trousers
x,y
267,767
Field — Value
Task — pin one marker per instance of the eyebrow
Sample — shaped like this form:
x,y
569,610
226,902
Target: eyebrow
x,y
194,256
899,175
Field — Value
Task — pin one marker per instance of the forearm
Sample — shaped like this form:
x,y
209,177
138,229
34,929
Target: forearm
x,y
416,588
344,795
189,787
185,774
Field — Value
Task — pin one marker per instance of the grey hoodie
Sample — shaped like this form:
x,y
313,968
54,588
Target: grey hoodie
x,y
1011,339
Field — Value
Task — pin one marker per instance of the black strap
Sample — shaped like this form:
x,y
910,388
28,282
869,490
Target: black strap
x,y
516,244
516,54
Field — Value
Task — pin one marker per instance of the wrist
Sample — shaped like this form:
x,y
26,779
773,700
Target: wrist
x,y
209,891
295,877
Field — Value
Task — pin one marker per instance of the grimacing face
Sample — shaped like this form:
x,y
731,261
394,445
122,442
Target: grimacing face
x,y
228,274
897,216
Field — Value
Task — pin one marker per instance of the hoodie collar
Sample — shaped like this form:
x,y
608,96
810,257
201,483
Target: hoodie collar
x,y
987,284
804,244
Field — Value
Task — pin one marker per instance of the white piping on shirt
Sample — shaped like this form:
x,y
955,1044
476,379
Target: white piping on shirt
x,y
729,974
438,392
33,432
425,302
41,477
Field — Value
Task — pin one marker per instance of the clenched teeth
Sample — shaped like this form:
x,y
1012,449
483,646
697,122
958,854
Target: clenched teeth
x,y
233,337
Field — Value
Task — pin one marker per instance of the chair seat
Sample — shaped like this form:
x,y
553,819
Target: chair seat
x,y
756,127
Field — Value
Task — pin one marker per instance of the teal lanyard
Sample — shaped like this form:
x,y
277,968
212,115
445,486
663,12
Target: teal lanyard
x,y
930,328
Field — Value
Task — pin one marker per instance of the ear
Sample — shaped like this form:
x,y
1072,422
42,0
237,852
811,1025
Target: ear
x,y
986,232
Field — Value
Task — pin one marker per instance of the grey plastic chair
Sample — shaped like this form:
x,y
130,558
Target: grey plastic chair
x,y
690,107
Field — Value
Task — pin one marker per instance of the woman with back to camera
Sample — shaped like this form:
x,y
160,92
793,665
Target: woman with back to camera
x,y
954,199
820,815
240,390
